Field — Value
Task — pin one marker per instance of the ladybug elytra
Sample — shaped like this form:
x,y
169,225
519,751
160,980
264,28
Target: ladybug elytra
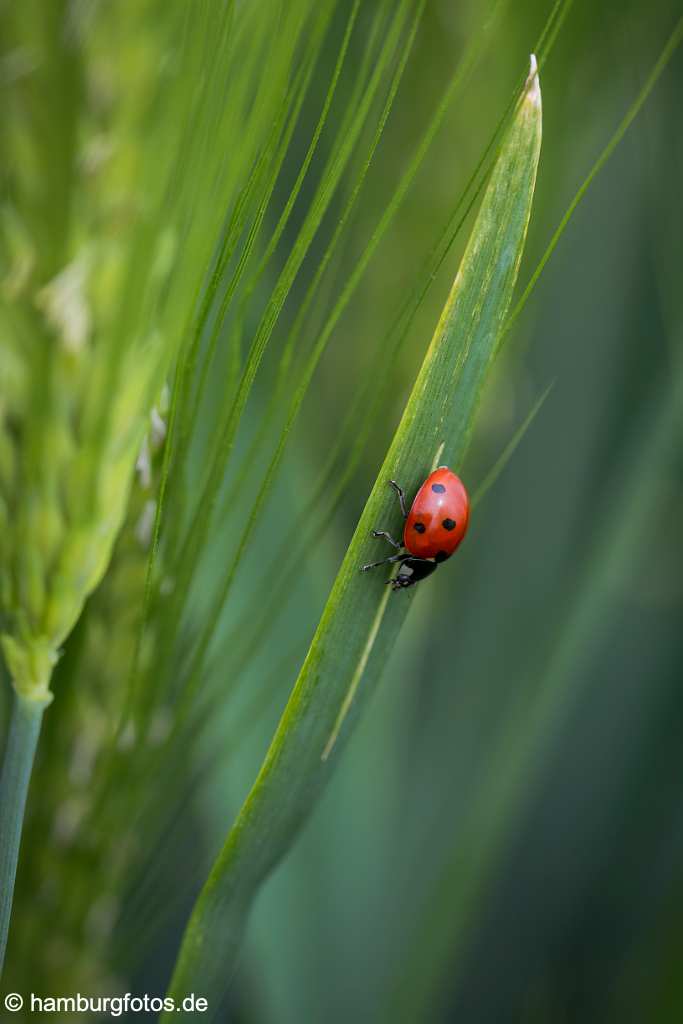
x,y
434,527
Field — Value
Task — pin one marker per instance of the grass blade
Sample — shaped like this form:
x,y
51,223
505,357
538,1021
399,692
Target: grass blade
x,y
24,730
456,900
360,623
670,47
510,449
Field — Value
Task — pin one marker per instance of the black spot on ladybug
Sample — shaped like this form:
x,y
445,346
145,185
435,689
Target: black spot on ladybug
x,y
441,556
420,527
448,524
438,488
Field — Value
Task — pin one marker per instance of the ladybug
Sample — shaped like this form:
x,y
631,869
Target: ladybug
x,y
434,527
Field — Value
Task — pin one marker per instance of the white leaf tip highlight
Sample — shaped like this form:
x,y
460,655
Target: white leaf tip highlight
x,y
532,88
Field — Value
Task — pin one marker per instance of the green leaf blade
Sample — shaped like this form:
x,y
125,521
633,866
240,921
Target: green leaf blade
x,y
362,618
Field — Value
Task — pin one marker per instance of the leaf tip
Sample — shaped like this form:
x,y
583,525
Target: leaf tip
x,y
532,88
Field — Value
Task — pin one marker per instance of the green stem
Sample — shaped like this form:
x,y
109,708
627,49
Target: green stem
x,y
16,775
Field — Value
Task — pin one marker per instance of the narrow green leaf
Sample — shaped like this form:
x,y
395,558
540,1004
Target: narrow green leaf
x,y
22,740
198,530
212,617
670,47
453,908
510,449
362,618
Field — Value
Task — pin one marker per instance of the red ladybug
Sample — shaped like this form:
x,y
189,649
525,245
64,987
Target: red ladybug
x,y
434,527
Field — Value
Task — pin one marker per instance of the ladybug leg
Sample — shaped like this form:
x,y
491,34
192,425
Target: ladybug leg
x,y
384,561
387,536
401,497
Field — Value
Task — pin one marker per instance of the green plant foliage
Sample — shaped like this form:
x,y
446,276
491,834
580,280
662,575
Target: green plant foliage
x,y
227,230
84,365
361,620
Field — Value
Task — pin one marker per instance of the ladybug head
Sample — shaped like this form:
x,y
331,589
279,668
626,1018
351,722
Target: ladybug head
x,y
411,572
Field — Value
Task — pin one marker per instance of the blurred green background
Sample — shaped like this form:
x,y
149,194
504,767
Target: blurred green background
x,y
503,840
